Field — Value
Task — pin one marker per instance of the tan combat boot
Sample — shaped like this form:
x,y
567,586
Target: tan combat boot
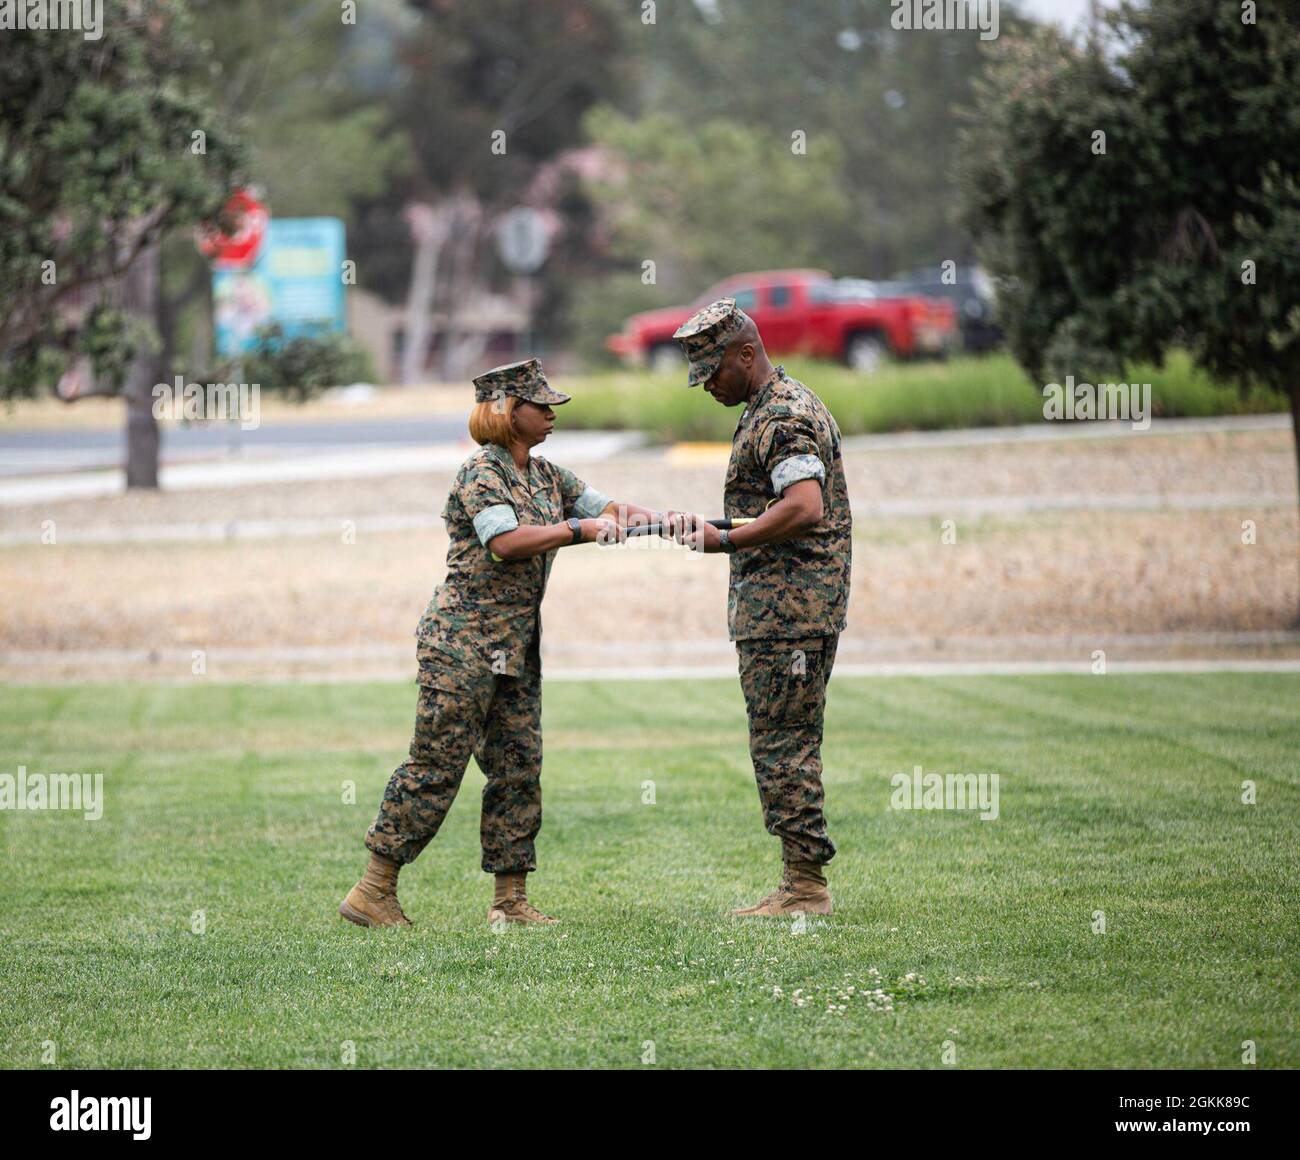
x,y
802,890
510,903
373,900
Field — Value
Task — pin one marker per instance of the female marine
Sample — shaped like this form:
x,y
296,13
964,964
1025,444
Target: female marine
x,y
479,668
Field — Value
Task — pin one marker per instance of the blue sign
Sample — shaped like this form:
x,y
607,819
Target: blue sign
x,y
296,281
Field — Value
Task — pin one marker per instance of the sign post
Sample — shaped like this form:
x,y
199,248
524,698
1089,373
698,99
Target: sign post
x,y
239,249
524,243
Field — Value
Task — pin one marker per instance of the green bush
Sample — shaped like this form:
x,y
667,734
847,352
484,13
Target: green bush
x,y
303,367
966,392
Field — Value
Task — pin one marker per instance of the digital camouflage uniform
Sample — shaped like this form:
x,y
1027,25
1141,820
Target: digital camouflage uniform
x,y
479,666
786,603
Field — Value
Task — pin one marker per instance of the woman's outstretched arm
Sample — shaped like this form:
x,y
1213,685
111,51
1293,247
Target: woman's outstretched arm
x,y
536,540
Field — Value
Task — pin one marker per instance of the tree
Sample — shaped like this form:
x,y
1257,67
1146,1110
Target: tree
x,y
1179,227
688,197
487,94
839,72
307,91
107,147
95,166
720,88
301,85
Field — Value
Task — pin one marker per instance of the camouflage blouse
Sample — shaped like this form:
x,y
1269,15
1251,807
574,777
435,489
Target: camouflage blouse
x,y
487,612
799,588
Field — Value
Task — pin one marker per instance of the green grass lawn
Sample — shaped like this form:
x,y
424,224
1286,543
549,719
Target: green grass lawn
x,y
1117,793
991,391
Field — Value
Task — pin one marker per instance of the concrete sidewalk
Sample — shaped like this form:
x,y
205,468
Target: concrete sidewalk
x,y
1270,651
208,531
1053,432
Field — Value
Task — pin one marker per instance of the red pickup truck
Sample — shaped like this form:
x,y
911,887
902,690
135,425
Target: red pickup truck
x,y
810,313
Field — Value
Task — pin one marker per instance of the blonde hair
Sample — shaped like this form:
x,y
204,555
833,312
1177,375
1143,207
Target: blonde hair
x,y
490,422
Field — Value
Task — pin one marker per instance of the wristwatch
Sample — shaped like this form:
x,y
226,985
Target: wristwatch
x,y
725,537
575,526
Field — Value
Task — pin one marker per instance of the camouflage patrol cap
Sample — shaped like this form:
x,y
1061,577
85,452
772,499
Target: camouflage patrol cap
x,y
705,335
524,380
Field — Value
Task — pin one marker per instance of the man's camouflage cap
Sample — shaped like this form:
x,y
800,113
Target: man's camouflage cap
x,y
524,380
705,335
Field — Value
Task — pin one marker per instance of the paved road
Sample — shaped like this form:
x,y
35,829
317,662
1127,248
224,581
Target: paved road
x,y
51,452
47,452
276,464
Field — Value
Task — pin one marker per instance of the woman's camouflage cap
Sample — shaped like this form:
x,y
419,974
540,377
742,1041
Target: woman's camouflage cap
x,y
524,380
705,335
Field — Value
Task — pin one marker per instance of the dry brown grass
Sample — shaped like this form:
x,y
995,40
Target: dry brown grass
x,y
1078,573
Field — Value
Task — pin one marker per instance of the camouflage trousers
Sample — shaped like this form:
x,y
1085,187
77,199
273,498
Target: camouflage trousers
x,y
784,682
496,718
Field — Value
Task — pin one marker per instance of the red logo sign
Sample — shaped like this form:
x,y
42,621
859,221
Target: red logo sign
x,y
241,247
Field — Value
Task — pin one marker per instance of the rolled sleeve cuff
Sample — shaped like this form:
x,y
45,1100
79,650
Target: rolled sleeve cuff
x,y
493,521
794,469
590,504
